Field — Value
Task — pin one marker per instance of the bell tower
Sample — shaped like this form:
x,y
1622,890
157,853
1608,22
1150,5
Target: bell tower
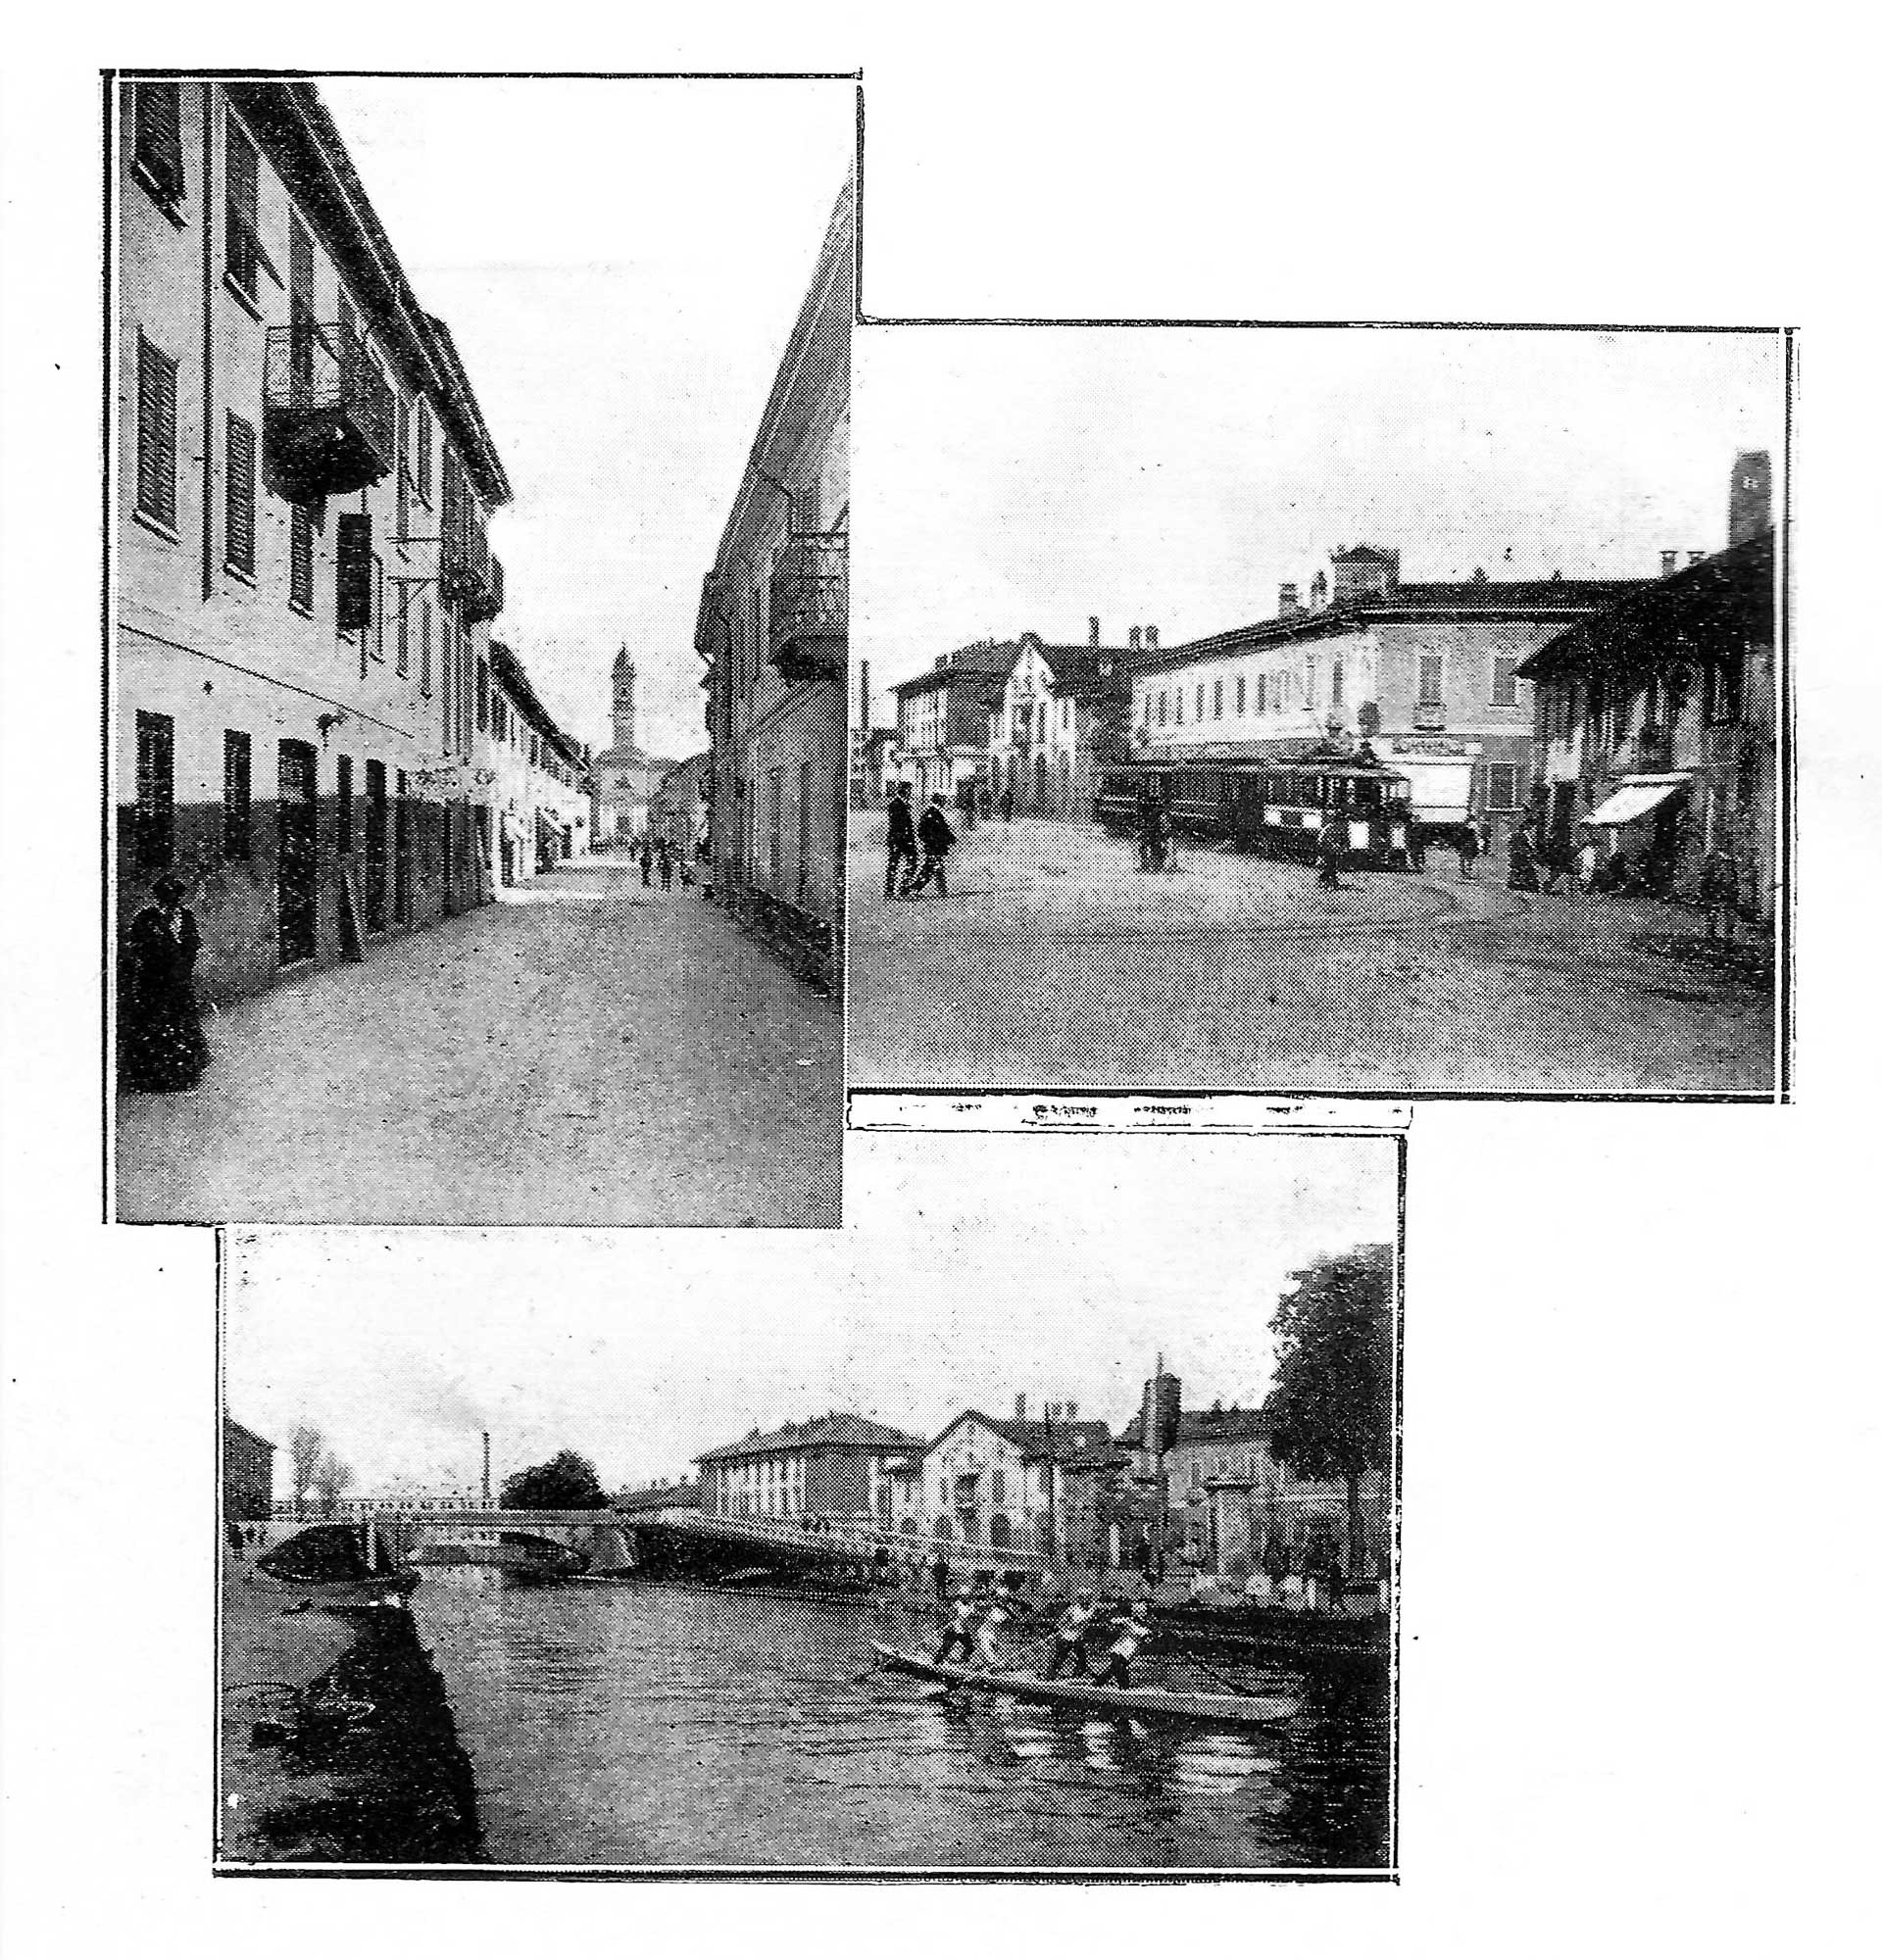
x,y
623,700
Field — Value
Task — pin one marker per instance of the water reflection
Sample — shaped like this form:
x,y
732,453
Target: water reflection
x,y
637,1725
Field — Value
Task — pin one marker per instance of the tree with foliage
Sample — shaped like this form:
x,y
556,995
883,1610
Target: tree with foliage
x,y
565,1482
1330,1408
330,1478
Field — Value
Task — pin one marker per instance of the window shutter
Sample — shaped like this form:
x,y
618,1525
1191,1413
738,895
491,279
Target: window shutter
x,y
300,563
156,433
239,495
403,463
353,576
158,141
424,451
241,196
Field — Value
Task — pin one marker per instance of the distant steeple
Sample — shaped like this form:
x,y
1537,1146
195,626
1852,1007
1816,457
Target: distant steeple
x,y
623,699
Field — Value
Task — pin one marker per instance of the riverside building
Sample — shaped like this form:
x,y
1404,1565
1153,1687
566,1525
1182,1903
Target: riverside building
x,y
835,1466
773,628
304,584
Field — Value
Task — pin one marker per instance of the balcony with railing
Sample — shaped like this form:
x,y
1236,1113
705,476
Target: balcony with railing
x,y
810,607
464,559
328,410
1428,714
487,602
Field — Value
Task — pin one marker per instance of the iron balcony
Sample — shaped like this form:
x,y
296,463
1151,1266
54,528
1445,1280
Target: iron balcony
x,y
328,410
810,607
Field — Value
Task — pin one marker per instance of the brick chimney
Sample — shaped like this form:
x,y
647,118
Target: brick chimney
x,y
1019,1408
1668,564
1136,639
1693,557
1094,629
1290,600
1750,510
1317,592
1149,638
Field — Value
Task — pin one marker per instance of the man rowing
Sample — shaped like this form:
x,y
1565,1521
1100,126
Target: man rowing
x,y
1069,1636
959,1633
1132,1631
1002,1609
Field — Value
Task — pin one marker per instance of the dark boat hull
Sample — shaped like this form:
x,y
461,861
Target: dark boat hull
x,y
1229,1711
1326,1639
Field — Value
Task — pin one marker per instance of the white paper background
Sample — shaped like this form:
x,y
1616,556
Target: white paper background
x,y
1641,1463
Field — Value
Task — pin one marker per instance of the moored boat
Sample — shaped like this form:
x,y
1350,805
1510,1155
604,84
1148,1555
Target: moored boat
x,y
1220,1711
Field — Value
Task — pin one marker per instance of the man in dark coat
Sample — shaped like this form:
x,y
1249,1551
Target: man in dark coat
x,y
902,851
1328,849
164,1049
936,835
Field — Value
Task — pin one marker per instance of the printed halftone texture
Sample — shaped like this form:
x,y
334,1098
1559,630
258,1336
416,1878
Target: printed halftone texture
x,y
598,1055
1054,962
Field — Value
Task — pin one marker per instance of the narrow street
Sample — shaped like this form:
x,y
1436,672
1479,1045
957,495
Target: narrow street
x,y
589,1053
1055,963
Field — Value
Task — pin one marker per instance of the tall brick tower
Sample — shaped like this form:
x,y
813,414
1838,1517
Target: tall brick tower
x,y
1750,510
623,700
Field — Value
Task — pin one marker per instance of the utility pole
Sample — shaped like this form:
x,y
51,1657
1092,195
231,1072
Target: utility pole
x,y
486,1469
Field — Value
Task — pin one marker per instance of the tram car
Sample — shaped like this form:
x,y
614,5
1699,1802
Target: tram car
x,y
1273,807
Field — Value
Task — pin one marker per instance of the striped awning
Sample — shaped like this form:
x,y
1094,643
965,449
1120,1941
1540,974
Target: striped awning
x,y
1635,797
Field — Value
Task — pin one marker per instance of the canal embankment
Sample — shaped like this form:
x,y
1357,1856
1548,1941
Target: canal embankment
x,y
338,1740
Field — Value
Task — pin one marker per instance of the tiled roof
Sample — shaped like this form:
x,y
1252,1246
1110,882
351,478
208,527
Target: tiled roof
x,y
835,1430
1030,1438
1207,1426
659,1497
988,663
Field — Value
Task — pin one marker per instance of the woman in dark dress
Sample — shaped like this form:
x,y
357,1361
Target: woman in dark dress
x,y
164,1049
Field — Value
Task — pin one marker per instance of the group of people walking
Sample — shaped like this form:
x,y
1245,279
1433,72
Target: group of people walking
x,y
918,847
984,1627
668,858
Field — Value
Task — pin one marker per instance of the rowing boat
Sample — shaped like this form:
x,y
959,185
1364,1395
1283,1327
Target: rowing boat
x,y
1231,1712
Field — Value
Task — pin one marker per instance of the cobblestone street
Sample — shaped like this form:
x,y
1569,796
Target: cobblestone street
x,y
589,1053
1055,963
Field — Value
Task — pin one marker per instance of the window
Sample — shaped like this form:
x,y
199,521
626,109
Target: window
x,y
1217,701
1338,683
1503,683
774,789
424,454
300,557
156,434
1313,682
238,499
1179,707
234,792
156,826
1724,689
404,634
241,238
300,276
1162,710
377,632
803,830
1241,694
1261,694
1431,680
1502,785
343,804
1199,700
484,696
425,647
156,139
403,467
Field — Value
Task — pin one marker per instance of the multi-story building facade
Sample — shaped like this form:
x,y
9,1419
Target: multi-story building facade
x,y
1429,673
1062,713
1003,1485
1655,721
248,1474
540,787
682,803
944,718
303,579
774,630
835,1466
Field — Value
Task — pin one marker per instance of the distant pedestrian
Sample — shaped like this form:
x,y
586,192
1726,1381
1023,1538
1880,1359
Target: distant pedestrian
x,y
1522,877
936,836
1329,847
646,862
686,869
665,865
1587,865
902,851
984,797
965,802
1557,863
161,1026
1469,848
1006,802
1153,834
938,1561
1718,893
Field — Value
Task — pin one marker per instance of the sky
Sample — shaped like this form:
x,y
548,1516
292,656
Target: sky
x,y
973,1269
621,264
1015,478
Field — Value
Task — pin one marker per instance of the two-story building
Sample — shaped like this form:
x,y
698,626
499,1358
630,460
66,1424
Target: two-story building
x,y
1655,720
834,1466
1003,1483
248,1474
540,788
1427,672
1062,713
944,718
303,580
681,805
774,630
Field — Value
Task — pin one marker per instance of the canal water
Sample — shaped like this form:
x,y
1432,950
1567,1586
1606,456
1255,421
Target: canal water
x,y
659,1725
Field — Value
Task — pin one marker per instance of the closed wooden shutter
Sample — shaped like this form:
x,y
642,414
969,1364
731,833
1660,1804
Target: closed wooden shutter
x,y
403,465
156,788
424,452
239,495
235,794
300,558
156,433
241,209
158,139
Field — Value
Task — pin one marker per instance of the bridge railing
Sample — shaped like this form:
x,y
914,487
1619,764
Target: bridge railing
x,y
865,1540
